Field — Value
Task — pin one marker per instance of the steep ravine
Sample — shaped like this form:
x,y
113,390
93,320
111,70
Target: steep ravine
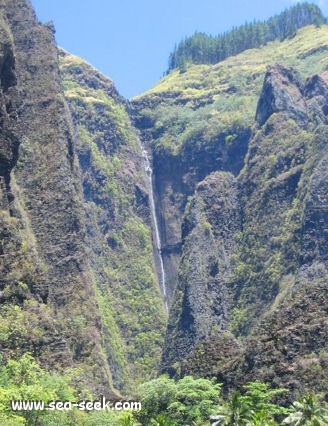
x,y
157,244
175,177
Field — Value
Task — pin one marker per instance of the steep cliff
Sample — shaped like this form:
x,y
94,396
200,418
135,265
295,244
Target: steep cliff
x,y
116,204
202,298
234,200
78,276
199,121
288,346
271,324
47,289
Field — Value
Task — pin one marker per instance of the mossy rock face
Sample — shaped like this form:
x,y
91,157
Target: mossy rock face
x,y
277,252
118,224
202,299
46,285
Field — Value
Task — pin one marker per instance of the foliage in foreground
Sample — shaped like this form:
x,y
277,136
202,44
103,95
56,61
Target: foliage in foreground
x,y
24,379
165,402
187,401
191,401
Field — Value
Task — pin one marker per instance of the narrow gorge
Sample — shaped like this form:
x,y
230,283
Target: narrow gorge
x,y
157,245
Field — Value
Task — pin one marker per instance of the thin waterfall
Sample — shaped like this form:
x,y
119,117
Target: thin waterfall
x,y
154,219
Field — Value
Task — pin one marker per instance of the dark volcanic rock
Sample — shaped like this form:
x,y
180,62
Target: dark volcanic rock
x,y
44,270
267,317
316,95
315,219
176,177
9,140
289,346
282,92
202,298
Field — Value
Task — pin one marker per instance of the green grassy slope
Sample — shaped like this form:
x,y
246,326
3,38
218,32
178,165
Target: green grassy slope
x,y
207,100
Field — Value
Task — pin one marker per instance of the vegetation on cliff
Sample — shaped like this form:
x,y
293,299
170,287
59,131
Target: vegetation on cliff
x,y
240,174
118,218
201,120
197,106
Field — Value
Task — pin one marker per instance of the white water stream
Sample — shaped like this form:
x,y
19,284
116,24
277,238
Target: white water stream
x,y
156,236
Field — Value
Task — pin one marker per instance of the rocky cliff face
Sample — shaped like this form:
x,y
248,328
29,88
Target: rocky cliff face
x,y
176,175
199,121
9,140
116,205
231,194
78,276
47,289
270,231
202,298
282,91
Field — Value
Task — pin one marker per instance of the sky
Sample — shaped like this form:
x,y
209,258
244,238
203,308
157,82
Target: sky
x,y
130,40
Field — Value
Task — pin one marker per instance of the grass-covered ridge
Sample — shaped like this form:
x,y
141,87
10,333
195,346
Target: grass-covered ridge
x,y
204,49
207,100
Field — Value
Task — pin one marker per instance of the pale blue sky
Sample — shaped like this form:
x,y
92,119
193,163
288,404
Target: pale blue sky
x,y
130,40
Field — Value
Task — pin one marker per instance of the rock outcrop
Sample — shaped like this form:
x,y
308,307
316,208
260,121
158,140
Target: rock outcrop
x,y
282,91
202,299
